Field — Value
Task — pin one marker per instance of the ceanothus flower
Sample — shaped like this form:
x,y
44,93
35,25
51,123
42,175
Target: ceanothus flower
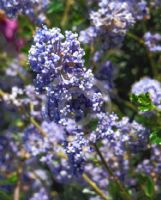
x,y
38,143
55,57
61,169
41,194
8,153
14,69
104,77
120,164
153,41
142,10
34,9
109,23
151,165
112,16
59,65
69,87
88,35
24,97
139,9
76,146
121,134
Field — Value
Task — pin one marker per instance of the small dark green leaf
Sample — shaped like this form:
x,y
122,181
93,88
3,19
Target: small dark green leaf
x,y
55,7
149,187
4,195
155,137
147,184
143,102
10,180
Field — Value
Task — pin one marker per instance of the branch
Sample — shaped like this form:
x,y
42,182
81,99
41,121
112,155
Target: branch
x,y
95,187
68,6
114,178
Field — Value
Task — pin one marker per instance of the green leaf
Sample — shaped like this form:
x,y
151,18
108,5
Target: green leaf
x,y
115,191
4,195
155,137
147,184
143,102
149,187
55,7
10,180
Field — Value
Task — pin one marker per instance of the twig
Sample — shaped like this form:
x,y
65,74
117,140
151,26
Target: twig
x,y
95,187
17,190
149,55
2,94
36,124
115,178
136,38
69,4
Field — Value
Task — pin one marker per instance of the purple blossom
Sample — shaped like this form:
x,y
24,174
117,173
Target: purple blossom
x,y
41,194
153,41
152,164
109,23
34,9
37,144
54,58
121,134
59,65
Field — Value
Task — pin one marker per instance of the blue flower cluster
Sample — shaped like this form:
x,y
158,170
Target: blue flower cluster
x,y
8,153
152,165
12,8
104,76
44,145
152,41
109,23
117,131
48,146
140,9
72,94
42,194
59,65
